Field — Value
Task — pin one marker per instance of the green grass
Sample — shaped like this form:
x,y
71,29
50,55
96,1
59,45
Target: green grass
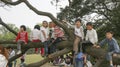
x,y
31,58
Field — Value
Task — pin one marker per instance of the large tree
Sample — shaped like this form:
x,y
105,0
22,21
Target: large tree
x,y
76,8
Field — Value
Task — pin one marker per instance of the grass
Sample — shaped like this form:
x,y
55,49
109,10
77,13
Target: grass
x,y
31,58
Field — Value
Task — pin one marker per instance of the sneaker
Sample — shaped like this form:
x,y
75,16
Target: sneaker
x,y
19,52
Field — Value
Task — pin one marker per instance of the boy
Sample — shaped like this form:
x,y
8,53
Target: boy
x,y
91,37
79,35
113,47
22,37
45,36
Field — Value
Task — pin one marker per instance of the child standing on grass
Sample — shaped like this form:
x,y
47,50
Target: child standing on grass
x,y
45,36
113,46
35,36
22,37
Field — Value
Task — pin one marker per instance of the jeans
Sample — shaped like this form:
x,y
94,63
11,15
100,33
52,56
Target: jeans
x,y
79,63
19,43
10,64
46,43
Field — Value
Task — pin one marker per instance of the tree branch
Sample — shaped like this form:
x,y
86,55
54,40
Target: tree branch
x,y
12,3
5,25
50,57
67,31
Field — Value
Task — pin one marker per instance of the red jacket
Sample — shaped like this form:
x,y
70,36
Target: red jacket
x,y
22,36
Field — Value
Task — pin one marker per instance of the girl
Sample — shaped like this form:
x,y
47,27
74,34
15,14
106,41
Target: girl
x,y
22,37
35,36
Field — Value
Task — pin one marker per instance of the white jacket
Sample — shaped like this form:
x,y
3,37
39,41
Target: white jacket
x,y
79,32
35,34
3,61
91,36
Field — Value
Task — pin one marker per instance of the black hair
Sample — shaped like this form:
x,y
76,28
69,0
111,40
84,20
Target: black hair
x,y
45,21
37,27
110,32
78,20
89,23
23,26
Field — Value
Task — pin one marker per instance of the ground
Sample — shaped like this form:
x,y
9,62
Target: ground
x,y
31,58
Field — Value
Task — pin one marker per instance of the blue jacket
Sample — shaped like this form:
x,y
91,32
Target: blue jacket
x,y
112,45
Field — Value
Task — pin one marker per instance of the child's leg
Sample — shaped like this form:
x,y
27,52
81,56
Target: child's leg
x,y
19,44
109,58
42,51
75,46
36,50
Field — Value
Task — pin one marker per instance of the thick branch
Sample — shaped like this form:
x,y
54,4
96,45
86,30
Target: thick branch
x,y
101,54
5,25
17,56
51,56
67,31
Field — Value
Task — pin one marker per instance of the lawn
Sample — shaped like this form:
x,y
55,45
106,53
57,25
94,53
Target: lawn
x,y
32,58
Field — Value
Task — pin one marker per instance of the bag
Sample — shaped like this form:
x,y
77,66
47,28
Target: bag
x,y
79,57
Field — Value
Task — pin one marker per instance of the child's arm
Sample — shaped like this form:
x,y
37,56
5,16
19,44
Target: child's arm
x,y
95,37
116,46
86,38
26,38
18,37
44,34
102,43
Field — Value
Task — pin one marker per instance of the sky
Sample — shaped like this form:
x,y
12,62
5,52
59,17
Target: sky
x,y
22,15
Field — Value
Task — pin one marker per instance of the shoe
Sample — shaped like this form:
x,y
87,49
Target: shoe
x,y
19,52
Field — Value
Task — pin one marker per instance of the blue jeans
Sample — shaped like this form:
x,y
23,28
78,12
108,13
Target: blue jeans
x,y
79,63
46,43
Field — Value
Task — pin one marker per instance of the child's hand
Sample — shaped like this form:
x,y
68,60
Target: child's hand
x,y
94,45
97,46
114,55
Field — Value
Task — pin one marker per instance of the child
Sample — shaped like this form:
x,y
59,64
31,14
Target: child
x,y
45,36
79,35
91,37
22,37
35,36
113,47
3,57
58,37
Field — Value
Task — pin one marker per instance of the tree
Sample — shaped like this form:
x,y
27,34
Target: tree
x,y
76,8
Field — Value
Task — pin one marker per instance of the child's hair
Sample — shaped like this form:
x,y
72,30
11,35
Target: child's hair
x,y
110,32
4,51
23,26
37,27
89,24
78,20
45,22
